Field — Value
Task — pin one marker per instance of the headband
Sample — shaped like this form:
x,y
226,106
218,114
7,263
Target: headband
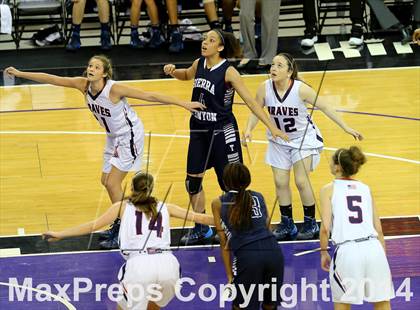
x,y
220,35
338,157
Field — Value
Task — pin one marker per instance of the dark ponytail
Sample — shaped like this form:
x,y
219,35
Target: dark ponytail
x,y
237,178
232,48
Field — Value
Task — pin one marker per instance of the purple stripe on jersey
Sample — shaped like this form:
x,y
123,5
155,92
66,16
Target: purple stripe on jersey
x,y
287,92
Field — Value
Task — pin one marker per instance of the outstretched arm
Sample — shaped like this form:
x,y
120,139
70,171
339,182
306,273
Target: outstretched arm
x,y
192,216
74,82
307,94
105,219
181,74
233,77
119,91
216,206
253,120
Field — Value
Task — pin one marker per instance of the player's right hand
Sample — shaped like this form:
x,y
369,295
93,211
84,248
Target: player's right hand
x,y
51,236
325,261
169,69
246,137
416,36
277,133
12,71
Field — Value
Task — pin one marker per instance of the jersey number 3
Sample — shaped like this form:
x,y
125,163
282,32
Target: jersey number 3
x,y
353,207
153,224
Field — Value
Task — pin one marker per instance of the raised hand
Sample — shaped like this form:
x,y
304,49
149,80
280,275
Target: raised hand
x,y
12,71
169,69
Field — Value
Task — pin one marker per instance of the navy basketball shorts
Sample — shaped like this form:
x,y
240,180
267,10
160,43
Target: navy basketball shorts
x,y
259,264
213,146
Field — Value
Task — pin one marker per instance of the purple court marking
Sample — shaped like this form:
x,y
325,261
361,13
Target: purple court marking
x,y
102,268
238,103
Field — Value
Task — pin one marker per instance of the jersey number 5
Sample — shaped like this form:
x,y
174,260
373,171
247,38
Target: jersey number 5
x,y
153,224
351,200
289,124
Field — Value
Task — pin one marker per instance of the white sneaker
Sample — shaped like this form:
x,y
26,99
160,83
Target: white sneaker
x,y
309,41
356,41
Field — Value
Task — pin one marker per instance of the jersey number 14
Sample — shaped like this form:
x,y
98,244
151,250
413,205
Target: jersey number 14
x,y
153,224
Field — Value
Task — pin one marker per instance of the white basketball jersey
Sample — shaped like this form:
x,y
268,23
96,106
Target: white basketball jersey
x,y
352,211
117,119
291,116
137,232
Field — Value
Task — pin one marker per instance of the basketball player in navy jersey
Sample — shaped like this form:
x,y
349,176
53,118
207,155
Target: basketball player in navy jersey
x,y
107,101
241,219
359,271
214,138
145,240
286,98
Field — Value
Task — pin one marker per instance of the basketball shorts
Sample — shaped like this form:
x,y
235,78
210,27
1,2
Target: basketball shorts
x,y
258,263
124,152
360,272
144,277
284,157
213,147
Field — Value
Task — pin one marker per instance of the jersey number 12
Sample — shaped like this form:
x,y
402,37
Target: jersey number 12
x,y
289,124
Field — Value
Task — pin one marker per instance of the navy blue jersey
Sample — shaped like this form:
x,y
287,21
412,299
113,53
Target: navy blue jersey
x,y
258,229
211,89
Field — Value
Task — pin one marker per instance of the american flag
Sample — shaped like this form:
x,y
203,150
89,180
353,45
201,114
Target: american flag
x,y
351,186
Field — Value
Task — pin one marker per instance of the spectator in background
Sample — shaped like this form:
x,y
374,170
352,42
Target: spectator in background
x,y
311,24
78,12
212,17
270,12
384,16
156,38
175,36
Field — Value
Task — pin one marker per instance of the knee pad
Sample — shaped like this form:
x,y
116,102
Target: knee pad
x,y
193,184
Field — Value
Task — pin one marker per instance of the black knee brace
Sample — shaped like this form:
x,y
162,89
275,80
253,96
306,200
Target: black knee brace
x,y
193,184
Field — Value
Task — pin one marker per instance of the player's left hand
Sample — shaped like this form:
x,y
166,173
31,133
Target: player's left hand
x,y
325,260
356,135
51,236
194,106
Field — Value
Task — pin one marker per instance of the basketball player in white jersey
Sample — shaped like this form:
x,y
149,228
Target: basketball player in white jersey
x,y
107,101
286,99
359,270
145,241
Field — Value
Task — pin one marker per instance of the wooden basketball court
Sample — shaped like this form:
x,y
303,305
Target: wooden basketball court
x,y
51,147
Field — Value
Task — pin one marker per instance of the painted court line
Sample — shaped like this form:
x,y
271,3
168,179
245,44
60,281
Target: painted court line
x,y
53,132
243,75
66,303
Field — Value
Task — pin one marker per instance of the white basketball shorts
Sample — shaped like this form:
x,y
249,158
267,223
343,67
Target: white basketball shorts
x,y
360,272
148,277
284,157
124,152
